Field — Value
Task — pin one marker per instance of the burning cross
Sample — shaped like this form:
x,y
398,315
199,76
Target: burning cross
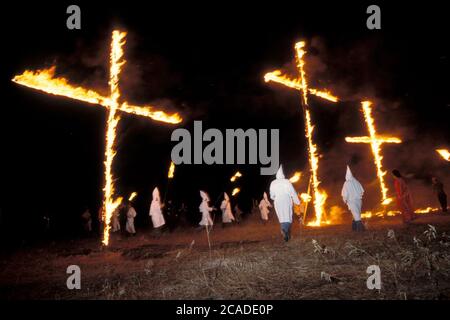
x,y
301,85
375,142
45,80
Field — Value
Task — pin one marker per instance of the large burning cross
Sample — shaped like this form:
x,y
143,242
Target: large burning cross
x,y
45,80
375,142
301,85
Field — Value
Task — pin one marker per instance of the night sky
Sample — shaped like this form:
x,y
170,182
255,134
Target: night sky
x,y
207,61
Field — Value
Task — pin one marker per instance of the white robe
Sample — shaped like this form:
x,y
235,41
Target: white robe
x,y
264,209
131,214
352,193
156,214
283,194
227,214
205,209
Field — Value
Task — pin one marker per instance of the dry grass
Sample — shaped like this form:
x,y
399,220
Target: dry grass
x,y
247,261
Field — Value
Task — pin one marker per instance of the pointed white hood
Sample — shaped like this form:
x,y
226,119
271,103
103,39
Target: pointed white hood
x,y
280,174
226,197
348,174
155,194
204,195
352,189
265,197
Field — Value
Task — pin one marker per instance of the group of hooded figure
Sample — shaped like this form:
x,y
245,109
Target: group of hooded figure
x,y
155,213
284,197
283,194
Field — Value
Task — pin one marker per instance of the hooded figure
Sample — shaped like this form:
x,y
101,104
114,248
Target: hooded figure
x,y
205,209
131,214
264,206
227,214
352,193
115,219
283,194
155,210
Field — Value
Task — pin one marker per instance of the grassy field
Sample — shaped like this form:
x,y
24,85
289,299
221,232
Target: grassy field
x,y
245,261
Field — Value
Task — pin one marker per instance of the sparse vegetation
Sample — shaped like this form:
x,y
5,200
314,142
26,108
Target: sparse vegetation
x,y
247,261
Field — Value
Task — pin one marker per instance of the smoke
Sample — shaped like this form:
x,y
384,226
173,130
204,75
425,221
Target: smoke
x,y
359,71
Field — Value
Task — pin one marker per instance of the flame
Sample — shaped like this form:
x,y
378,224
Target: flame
x,y
109,203
319,195
44,80
444,153
375,142
132,196
305,197
302,85
296,177
171,173
392,213
277,77
426,210
235,191
236,176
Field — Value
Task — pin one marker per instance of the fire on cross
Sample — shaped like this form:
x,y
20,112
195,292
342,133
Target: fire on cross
x,y
46,80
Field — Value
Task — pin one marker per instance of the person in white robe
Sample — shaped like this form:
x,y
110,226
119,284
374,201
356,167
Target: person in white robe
x,y
131,214
283,194
205,210
155,213
264,207
352,193
227,214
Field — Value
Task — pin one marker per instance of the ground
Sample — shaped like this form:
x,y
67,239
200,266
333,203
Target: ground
x,y
245,261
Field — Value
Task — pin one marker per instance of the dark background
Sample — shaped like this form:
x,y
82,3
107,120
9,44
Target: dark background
x,y
207,61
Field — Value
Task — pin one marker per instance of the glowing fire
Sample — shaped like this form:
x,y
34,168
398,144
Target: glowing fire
x,y
235,191
236,176
171,173
301,84
319,195
375,142
132,196
444,153
45,80
392,213
426,210
305,197
296,177
278,77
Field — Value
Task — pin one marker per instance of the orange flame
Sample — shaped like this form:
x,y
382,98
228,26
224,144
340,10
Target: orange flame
x,y
236,176
132,196
296,177
302,85
375,142
45,80
444,153
235,191
305,197
171,173
109,203
277,77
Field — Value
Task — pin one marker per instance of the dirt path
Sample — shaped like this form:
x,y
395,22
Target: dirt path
x,y
245,261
